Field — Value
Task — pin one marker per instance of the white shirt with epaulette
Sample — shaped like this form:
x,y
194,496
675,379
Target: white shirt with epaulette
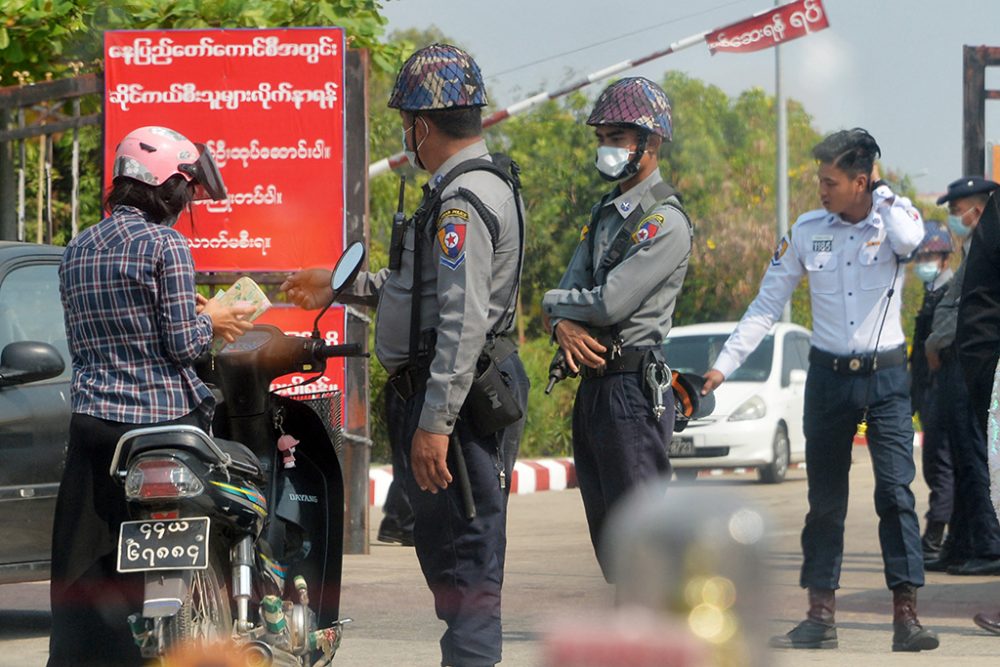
x,y
851,268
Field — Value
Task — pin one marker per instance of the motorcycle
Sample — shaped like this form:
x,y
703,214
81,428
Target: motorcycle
x,y
240,541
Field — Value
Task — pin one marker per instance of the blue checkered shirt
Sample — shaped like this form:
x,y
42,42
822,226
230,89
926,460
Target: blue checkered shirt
x,y
128,291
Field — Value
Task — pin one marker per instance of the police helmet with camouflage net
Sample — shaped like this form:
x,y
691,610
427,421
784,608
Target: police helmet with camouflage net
x,y
634,101
439,76
936,239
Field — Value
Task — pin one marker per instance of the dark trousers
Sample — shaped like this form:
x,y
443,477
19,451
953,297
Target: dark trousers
x,y
973,531
834,404
936,453
398,513
462,560
617,444
90,600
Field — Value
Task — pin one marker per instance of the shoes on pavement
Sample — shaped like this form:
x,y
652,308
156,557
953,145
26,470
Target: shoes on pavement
x,y
393,534
933,540
818,630
942,563
975,567
907,633
988,622
807,634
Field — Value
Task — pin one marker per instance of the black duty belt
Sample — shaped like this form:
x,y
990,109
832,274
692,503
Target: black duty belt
x,y
630,360
858,364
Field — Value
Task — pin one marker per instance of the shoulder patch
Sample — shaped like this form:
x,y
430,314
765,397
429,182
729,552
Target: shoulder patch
x,y
451,237
648,227
452,213
779,252
584,232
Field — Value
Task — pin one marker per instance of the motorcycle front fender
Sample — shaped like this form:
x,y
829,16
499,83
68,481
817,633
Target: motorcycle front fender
x,y
165,592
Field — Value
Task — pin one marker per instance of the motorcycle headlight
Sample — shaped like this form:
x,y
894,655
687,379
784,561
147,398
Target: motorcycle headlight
x,y
159,478
752,408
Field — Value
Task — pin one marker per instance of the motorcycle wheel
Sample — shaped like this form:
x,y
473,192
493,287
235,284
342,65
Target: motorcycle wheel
x,y
205,616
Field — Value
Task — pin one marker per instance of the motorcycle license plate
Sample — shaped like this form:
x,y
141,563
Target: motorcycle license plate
x,y
681,446
167,544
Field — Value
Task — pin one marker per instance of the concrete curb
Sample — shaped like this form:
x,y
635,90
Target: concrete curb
x,y
557,474
529,476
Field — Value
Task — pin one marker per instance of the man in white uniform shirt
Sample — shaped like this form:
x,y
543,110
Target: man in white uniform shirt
x,y
850,249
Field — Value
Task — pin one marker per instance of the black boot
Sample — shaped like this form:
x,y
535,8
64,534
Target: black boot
x,y
908,634
818,630
933,539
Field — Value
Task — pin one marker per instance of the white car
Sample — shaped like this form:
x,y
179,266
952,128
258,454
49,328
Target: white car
x,y
757,421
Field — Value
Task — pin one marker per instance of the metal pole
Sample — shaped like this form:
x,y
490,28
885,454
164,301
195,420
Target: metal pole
x,y
782,166
8,213
39,233
74,202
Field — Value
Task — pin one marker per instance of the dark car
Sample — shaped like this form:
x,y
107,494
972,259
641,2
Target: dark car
x,y
34,406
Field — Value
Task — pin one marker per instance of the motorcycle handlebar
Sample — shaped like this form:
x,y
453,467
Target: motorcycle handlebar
x,y
346,350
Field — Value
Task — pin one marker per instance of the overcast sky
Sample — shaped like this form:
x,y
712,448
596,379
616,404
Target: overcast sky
x,y
891,66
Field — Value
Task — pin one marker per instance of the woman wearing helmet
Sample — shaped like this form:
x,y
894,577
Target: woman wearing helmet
x,y
135,327
614,304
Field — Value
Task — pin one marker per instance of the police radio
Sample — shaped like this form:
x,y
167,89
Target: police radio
x,y
398,230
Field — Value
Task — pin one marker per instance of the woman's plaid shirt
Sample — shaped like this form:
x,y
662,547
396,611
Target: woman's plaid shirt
x,y
128,291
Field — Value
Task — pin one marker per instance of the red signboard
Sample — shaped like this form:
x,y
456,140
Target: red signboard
x,y
298,322
767,29
270,106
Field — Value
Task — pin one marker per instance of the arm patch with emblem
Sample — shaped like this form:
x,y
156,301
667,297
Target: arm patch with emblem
x,y
451,237
648,227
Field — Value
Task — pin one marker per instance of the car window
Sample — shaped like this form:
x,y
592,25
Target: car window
x,y
802,342
695,354
791,358
30,308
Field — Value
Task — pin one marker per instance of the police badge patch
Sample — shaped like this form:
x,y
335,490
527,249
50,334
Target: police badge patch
x,y
647,228
779,251
451,236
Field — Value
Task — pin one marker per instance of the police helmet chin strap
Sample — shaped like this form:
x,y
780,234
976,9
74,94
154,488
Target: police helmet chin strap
x,y
632,166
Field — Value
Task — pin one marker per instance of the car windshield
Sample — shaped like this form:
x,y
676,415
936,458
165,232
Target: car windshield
x,y
695,354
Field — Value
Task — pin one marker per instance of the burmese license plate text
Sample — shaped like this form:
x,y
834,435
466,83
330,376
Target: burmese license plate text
x,y
682,446
167,544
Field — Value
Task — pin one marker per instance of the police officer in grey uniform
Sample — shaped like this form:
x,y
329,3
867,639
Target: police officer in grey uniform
x,y
614,304
851,250
448,295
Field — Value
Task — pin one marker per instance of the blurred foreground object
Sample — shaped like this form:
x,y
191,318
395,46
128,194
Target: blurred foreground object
x,y
697,559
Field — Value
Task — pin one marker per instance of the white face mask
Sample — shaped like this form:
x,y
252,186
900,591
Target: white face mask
x,y
411,156
927,271
612,160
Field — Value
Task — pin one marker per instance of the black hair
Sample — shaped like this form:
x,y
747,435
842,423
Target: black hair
x,y
852,151
458,123
163,203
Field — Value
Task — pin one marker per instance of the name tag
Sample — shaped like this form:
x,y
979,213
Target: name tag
x,y
822,243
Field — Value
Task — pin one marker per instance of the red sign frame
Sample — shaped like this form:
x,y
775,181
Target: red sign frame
x,y
269,104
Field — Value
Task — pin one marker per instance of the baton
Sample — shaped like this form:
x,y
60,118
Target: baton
x,y
462,476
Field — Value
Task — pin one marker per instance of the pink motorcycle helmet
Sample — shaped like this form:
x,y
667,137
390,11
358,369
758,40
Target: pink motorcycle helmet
x,y
152,154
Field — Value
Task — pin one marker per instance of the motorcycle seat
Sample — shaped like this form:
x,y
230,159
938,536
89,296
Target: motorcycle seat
x,y
193,440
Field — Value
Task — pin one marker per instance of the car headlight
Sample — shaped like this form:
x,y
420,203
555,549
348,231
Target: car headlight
x,y
752,408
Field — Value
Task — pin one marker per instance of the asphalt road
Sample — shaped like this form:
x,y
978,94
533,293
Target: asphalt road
x,y
553,577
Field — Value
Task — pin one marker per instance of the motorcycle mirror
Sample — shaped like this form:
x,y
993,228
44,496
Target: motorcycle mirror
x,y
347,266
343,275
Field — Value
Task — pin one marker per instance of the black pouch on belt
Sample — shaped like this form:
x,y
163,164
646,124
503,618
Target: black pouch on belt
x,y
492,404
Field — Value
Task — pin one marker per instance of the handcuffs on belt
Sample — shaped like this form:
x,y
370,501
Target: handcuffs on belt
x,y
658,377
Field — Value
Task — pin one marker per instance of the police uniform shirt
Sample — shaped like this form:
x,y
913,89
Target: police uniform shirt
x,y
465,289
850,269
639,294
